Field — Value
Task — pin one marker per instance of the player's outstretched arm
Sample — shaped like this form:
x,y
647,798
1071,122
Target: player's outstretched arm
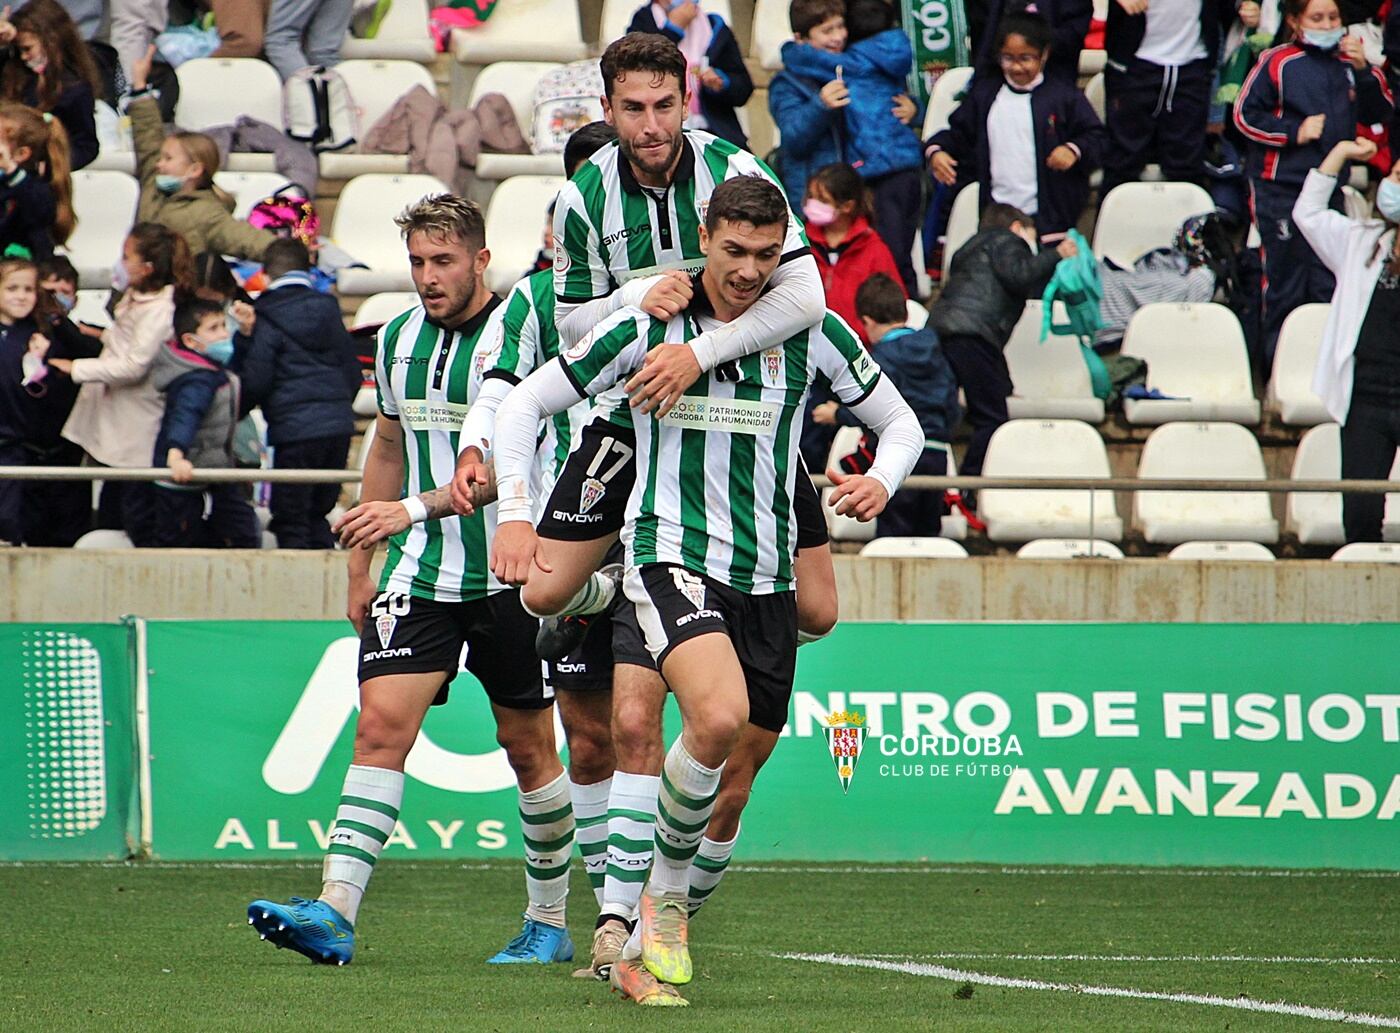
x,y
380,488
884,411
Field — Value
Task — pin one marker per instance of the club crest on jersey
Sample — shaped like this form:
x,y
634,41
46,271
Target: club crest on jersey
x,y
702,209
384,625
593,490
845,738
773,365
690,586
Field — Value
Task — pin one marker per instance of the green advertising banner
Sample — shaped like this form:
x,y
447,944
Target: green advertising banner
x,y
937,30
1230,744
67,766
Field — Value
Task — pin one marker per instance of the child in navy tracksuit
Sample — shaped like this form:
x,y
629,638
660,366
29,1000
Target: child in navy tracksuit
x,y
1300,100
881,145
201,413
1157,85
1029,140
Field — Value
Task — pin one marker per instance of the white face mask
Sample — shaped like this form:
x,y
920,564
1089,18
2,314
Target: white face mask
x,y
121,279
1388,199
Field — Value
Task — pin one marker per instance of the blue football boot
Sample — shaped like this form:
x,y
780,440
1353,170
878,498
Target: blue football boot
x,y
537,944
310,927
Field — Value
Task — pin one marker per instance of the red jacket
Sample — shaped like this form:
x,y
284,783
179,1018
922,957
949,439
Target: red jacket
x,y
860,256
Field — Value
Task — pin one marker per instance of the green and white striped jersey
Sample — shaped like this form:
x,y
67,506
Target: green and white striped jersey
x,y
530,340
609,229
427,377
715,477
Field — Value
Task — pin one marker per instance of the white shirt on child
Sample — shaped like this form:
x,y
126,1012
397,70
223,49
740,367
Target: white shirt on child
x,y
1173,33
1011,143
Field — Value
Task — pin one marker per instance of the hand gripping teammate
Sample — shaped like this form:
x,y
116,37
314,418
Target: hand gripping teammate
x,y
710,533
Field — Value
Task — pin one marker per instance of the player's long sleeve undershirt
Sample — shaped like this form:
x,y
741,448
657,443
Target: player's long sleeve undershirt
x,y
886,412
543,393
794,301
480,425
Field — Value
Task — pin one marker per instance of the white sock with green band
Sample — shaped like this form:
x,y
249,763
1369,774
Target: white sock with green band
x,y
369,809
594,597
683,809
631,829
591,830
547,824
707,869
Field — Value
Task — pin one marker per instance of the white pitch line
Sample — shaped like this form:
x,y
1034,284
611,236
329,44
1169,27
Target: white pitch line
x,y
1071,870
1306,1011
1192,958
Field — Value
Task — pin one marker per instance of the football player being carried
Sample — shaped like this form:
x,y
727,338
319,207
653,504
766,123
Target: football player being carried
x,y
710,532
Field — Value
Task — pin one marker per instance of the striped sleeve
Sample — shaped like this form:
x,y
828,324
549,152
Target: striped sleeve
x,y
742,163
838,353
383,361
1259,110
580,268
517,347
614,348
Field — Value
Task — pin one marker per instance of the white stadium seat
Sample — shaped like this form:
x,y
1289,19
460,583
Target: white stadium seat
x,y
944,99
1248,551
402,36
1290,392
104,539
1047,448
105,206
913,548
1366,552
516,81
617,15
523,30
915,315
364,227
1136,217
1049,378
375,86
1068,548
1094,92
216,91
1208,451
515,225
382,307
1316,517
92,308
248,188
1196,353
962,224
771,29
843,528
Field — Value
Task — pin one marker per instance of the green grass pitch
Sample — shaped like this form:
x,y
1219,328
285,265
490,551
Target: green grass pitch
x,y
153,948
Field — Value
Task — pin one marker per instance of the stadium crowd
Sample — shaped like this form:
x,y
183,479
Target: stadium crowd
x,y
1271,107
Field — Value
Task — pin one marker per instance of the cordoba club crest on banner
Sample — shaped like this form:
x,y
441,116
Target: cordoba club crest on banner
x,y
845,738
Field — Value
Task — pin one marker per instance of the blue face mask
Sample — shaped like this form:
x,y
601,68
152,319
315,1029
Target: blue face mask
x,y
220,351
168,184
1323,39
1388,199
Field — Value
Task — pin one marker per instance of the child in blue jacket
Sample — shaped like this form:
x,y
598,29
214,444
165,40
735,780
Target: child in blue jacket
x,y
809,110
882,147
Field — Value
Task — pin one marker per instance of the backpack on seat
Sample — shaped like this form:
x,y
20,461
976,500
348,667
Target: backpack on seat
x,y
317,109
566,99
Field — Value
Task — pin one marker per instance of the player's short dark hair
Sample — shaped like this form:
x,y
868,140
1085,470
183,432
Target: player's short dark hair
x,y
286,255
806,15
751,199
1029,25
881,300
998,216
191,311
648,52
58,268
584,142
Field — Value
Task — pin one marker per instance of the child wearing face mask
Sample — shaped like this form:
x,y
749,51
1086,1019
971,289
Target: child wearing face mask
x,y
46,66
36,192
1301,99
1029,141
197,431
177,181
847,249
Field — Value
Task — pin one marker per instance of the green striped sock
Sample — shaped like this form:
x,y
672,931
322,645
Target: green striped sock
x,y
707,868
683,809
594,597
591,830
631,828
547,823
369,809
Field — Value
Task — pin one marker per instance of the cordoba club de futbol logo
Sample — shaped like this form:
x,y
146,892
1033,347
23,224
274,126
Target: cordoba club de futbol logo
x,y
845,738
